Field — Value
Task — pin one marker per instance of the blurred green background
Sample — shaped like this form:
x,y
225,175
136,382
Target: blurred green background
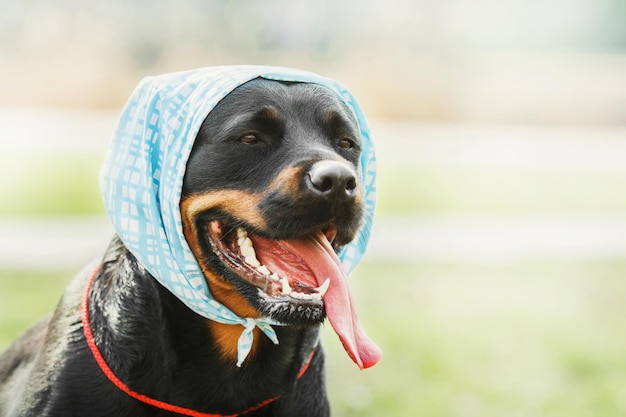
x,y
495,279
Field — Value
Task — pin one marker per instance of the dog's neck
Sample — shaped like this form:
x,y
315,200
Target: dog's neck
x,y
146,335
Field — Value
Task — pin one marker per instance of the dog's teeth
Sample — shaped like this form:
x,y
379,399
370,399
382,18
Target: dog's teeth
x,y
286,287
252,260
245,243
274,277
248,251
305,296
322,289
263,269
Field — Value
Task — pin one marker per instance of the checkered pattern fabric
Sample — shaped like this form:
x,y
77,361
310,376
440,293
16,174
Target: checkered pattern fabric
x,y
142,175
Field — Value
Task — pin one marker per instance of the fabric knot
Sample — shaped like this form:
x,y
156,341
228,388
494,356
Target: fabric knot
x,y
244,344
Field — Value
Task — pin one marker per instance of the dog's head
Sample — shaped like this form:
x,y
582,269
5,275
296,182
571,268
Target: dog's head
x,y
271,187
235,191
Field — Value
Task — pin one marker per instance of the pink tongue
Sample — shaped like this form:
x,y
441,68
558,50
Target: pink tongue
x,y
318,255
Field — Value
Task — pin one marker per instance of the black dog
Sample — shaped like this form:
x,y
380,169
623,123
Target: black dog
x,y
273,162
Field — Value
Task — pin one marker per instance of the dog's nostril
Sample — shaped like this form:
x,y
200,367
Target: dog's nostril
x,y
323,184
351,184
332,178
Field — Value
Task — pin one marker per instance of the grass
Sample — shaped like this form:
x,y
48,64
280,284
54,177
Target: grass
x,y
531,339
26,296
537,339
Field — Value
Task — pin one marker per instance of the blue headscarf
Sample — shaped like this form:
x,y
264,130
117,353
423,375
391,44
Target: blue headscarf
x,y
142,176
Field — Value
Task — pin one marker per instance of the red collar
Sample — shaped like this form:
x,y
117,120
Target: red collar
x,y
141,397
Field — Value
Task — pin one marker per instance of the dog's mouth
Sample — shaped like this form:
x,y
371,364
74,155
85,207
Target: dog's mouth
x,y
277,268
297,280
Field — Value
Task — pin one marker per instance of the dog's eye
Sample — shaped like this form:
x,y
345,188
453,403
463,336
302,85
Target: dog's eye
x,y
249,139
346,143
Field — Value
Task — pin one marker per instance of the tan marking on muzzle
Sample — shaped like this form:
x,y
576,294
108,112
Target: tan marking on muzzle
x,y
288,181
239,205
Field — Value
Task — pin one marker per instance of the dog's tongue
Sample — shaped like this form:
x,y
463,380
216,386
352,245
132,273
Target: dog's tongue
x,y
317,253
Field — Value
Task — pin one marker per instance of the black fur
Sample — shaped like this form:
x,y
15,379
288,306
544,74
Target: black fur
x,y
154,343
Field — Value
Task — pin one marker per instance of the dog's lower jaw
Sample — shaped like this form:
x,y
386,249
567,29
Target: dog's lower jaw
x,y
226,336
285,311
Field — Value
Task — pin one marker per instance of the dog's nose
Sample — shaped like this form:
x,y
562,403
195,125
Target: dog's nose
x,y
332,179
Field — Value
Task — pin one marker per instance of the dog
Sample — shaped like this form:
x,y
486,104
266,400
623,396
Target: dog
x,y
272,191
